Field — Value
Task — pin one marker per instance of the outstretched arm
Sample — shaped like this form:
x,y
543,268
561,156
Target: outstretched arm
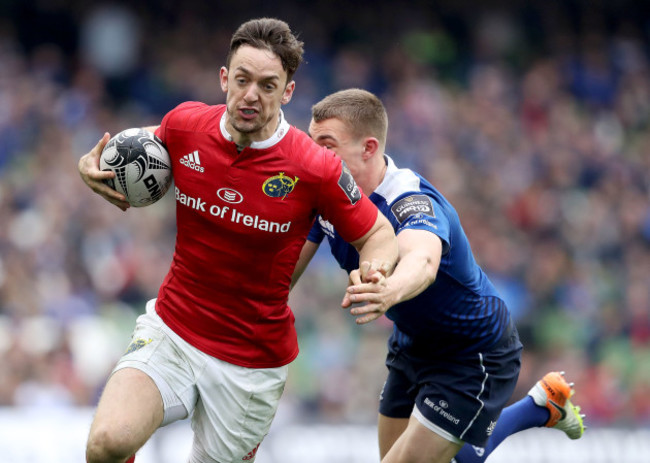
x,y
420,253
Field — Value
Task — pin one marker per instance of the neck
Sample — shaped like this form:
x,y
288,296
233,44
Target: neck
x,y
377,174
245,139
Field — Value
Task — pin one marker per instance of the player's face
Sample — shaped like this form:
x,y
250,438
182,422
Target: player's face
x,y
333,134
256,86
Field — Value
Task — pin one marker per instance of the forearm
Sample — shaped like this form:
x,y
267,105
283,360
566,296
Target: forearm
x,y
414,273
420,252
380,248
306,254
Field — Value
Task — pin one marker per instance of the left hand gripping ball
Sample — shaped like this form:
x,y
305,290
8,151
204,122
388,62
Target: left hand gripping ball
x,y
143,169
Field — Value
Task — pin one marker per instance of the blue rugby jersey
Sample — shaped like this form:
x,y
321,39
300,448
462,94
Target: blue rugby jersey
x,y
461,310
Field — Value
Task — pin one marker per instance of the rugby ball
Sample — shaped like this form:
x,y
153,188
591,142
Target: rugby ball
x,y
143,170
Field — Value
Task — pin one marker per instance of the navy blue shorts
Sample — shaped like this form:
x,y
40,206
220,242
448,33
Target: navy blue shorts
x,y
460,397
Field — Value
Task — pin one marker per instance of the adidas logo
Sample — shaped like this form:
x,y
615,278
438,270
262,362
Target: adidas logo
x,y
193,161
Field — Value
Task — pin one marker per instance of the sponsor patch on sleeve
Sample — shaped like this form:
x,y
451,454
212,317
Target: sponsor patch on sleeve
x,y
348,185
412,205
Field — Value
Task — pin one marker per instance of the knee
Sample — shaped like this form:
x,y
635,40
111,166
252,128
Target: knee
x,y
106,446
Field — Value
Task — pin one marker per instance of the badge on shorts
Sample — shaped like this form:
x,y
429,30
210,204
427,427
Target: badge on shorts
x,y
137,344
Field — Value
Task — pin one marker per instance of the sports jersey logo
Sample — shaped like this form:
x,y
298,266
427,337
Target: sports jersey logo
x,y
193,161
412,205
279,186
231,214
348,185
327,227
230,196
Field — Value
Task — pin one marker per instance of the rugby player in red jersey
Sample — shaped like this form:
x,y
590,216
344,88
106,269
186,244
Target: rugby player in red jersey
x,y
216,342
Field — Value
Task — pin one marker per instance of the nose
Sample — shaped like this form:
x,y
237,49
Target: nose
x,y
251,94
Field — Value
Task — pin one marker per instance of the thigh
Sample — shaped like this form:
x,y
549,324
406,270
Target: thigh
x,y
129,411
398,393
461,398
235,411
418,444
168,360
388,431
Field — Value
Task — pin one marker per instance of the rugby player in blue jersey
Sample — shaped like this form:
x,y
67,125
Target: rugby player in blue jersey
x,y
454,353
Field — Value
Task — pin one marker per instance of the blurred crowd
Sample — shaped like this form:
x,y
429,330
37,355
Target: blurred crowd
x,y
534,121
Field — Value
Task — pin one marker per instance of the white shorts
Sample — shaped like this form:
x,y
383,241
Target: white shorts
x,y
231,406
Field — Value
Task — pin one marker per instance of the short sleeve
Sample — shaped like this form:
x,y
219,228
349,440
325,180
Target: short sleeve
x,y
418,211
177,117
343,204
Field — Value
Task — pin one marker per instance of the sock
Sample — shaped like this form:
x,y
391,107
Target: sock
x,y
519,416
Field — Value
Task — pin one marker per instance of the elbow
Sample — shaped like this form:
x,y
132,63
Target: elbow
x,y
430,271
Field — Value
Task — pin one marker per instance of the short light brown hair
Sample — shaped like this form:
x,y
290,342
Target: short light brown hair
x,y
360,110
273,35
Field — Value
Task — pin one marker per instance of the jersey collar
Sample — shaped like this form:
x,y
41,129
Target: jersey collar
x,y
396,181
282,130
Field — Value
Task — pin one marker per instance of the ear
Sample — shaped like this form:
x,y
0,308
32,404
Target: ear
x,y
288,92
370,148
223,77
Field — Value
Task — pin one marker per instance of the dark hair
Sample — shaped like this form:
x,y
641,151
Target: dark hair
x,y
362,112
273,35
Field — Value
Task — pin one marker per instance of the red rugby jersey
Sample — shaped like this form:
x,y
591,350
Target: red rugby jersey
x,y
242,219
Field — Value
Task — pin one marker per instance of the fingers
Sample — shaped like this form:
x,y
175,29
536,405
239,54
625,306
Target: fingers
x,y
346,302
110,195
123,205
92,176
356,286
364,292
366,313
366,301
366,268
373,271
99,147
89,163
355,278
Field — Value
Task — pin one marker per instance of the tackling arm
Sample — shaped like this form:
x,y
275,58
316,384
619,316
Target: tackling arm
x,y
420,253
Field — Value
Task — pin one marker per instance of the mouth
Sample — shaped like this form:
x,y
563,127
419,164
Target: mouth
x,y
247,113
